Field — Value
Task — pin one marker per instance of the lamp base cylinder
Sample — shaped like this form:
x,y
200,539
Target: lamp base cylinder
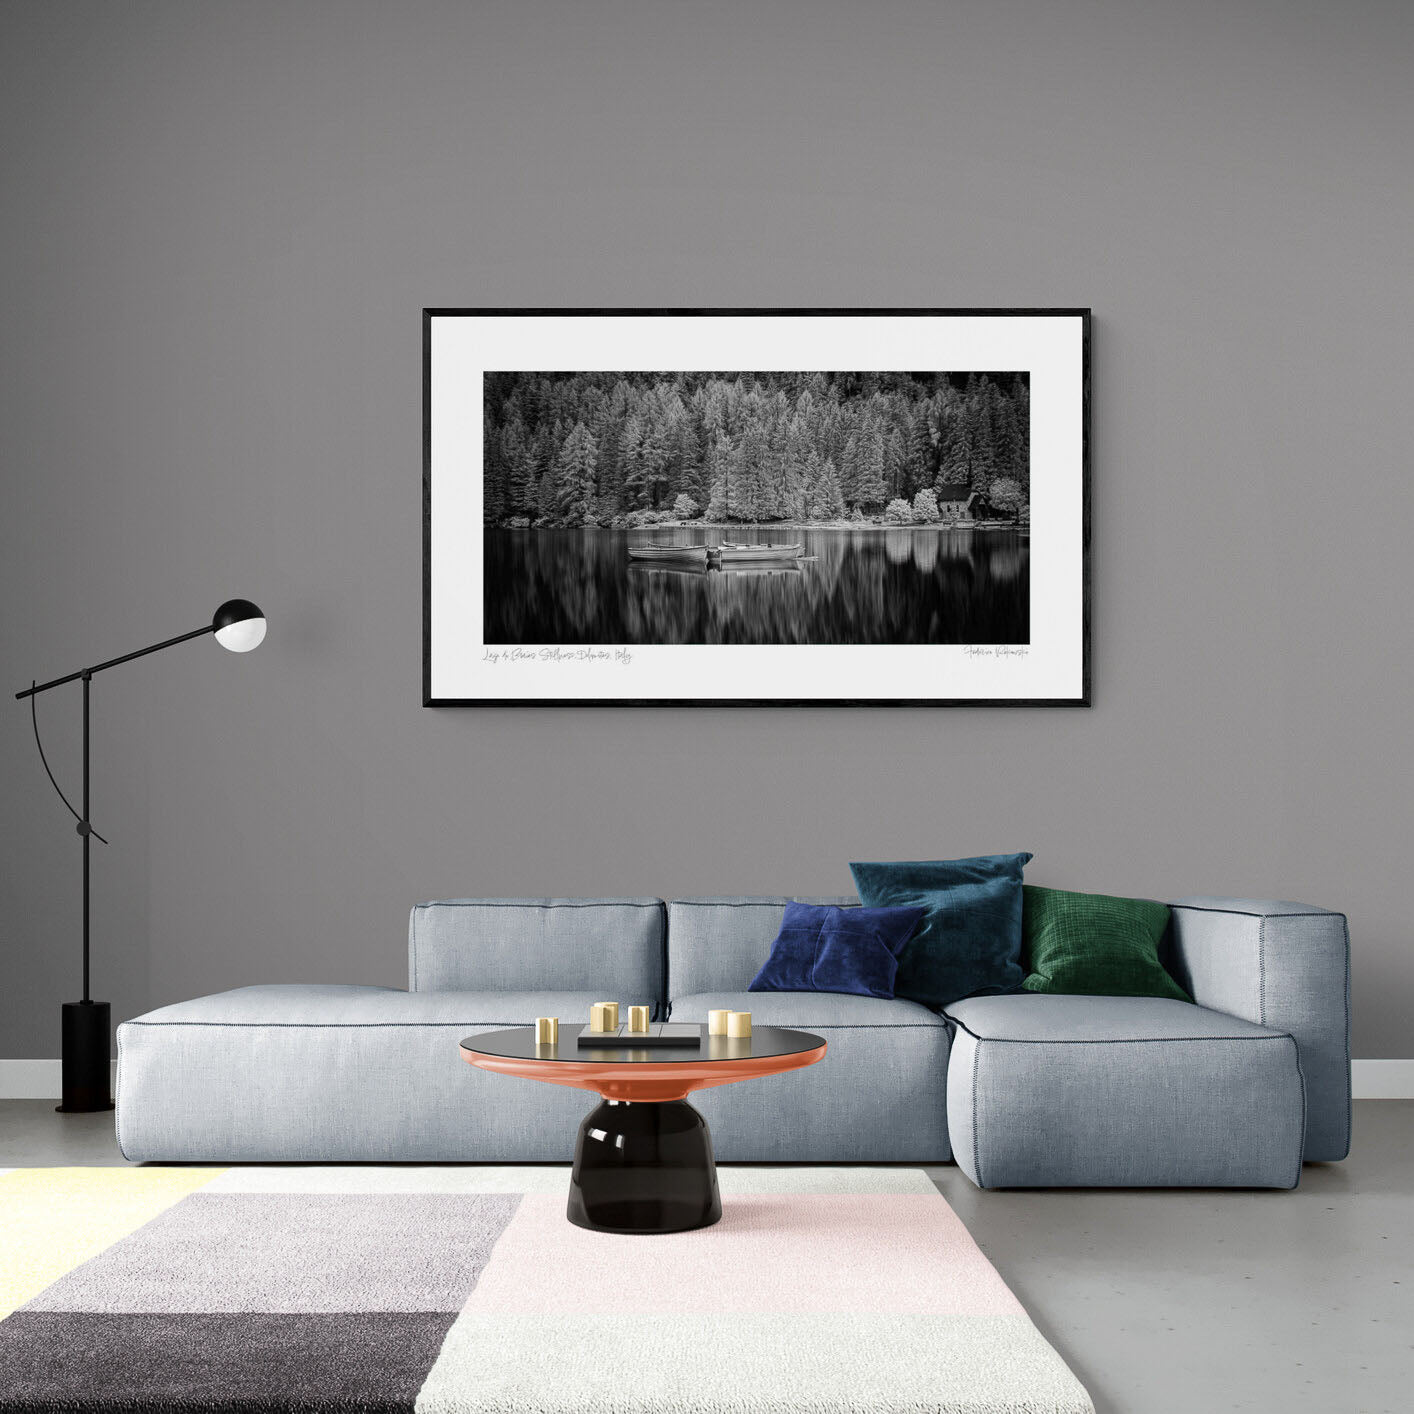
x,y
87,1046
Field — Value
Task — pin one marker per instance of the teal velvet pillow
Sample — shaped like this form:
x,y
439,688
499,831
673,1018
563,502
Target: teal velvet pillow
x,y
969,942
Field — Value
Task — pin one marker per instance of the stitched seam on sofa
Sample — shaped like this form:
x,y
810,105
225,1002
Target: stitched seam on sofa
x,y
542,903
1301,1142
1349,1104
868,1026
327,1025
1262,971
1102,1040
415,912
330,1025
814,1025
663,1005
976,1148
746,903
118,1113
1248,913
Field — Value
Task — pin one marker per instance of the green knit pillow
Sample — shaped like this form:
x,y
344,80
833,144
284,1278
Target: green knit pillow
x,y
1094,945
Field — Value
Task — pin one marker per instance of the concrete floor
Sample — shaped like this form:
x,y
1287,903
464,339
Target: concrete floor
x,y
1163,1301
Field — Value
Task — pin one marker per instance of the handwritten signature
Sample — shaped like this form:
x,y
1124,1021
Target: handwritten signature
x,y
557,655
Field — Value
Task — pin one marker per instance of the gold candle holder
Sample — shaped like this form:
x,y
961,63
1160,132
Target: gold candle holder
x,y
638,1018
610,1011
599,1018
739,1024
717,1023
547,1030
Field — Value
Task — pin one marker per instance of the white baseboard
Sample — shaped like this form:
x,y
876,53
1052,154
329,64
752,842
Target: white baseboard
x,y
1370,1079
1382,1079
33,1079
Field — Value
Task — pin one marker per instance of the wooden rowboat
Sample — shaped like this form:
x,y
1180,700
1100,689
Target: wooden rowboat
x,y
683,569
678,554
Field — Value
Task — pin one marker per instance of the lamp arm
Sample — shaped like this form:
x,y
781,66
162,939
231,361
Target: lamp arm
x,y
113,662
34,689
34,721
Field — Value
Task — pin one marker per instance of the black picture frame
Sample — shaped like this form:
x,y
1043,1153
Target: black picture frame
x,y
429,313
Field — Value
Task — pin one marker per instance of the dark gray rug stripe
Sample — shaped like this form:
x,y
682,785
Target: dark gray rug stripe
x,y
58,1362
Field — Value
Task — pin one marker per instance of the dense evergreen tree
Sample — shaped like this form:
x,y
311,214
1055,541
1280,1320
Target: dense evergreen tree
x,y
719,457
518,458
896,473
494,485
547,499
574,477
826,499
869,490
746,493
590,448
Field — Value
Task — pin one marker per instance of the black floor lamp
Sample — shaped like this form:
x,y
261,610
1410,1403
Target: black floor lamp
x,y
88,1027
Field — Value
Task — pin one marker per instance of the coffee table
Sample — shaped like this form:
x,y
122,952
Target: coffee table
x,y
643,1161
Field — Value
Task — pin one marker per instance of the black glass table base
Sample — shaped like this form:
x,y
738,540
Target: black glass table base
x,y
644,1167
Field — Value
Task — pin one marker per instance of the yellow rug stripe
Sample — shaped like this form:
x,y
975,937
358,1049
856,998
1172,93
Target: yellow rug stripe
x,y
51,1220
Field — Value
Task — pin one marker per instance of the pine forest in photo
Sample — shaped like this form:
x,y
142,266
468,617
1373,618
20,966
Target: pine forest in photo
x,y
587,449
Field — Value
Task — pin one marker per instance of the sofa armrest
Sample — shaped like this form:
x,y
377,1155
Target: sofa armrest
x,y
1283,965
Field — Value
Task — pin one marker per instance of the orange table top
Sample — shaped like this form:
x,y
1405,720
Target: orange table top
x,y
647,1074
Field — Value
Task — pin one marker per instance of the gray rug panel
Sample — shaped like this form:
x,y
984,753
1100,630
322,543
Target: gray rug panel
x,y
57,1362
308,1252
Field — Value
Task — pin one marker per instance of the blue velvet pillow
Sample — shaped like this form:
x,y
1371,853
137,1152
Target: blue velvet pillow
x,y
821,948
969,944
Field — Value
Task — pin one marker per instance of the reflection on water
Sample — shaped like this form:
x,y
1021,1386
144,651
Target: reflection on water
x,y
867,585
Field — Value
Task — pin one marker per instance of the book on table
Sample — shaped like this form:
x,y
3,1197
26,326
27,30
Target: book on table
x,y
659,1033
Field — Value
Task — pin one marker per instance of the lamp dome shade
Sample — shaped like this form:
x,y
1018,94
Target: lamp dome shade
x,y
239,625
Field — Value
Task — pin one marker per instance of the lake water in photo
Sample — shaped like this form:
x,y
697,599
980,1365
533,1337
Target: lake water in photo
x,y
871,584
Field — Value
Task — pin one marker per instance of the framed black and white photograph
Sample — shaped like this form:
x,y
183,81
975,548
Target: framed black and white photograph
x,y
756,507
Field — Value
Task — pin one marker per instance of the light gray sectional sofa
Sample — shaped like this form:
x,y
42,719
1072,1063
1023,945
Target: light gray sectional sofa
x,y
1023,1090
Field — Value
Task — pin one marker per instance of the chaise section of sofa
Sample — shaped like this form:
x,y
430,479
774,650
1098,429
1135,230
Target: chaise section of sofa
x,y
1234,1089
317,1074
335,1074
878,1097
1121,1092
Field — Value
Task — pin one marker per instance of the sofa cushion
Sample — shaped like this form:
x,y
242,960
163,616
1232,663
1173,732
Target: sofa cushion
x,y
1073,1091
808,1010
335,1074
1032,1017
719,944
877,1097
611,946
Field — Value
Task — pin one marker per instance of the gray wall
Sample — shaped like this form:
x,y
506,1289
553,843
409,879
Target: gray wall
x,y
222,222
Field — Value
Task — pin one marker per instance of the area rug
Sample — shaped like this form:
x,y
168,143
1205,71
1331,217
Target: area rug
x,y
465,1291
